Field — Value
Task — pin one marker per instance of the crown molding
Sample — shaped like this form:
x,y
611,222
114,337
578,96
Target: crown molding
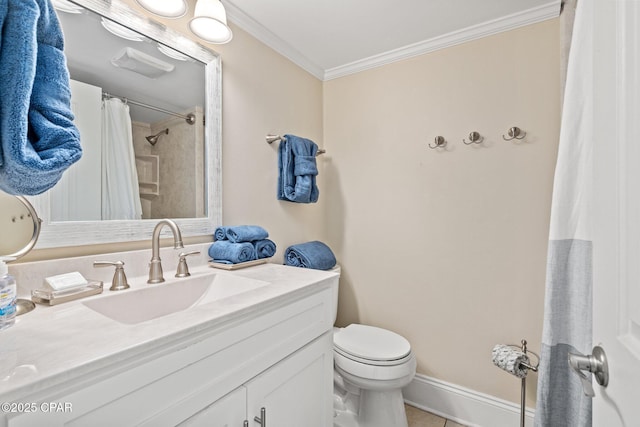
x,y
509,22
530,16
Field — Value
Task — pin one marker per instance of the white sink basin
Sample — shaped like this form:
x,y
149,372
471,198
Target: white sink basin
x,y
153,301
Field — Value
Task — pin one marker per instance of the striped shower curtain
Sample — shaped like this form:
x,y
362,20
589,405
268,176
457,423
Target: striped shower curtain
x,y
567,312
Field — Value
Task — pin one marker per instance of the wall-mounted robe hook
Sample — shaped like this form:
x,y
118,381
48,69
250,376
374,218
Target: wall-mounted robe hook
x,y
514,133
474,138
438,142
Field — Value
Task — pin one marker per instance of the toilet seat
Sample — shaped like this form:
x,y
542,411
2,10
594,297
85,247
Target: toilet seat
x,y
373,353
380,363
371,345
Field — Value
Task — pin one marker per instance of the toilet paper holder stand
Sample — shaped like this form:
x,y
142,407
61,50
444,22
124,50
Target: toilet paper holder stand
x,y
523,367
523,394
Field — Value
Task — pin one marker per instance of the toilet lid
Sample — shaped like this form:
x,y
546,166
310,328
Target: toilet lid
x,y
371,343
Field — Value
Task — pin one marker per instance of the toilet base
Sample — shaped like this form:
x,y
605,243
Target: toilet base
x,y
375,409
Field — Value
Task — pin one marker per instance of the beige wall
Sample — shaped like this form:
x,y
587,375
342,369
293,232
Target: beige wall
x,y
447,248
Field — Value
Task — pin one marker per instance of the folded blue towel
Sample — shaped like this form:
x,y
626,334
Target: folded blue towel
x,y
265,248
246,233
224,250
297,170
220,233
38,140
314,255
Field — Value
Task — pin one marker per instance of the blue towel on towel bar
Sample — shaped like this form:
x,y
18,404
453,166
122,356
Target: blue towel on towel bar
x,y
246,233
265,248
297,170
314,255
234,253
38,140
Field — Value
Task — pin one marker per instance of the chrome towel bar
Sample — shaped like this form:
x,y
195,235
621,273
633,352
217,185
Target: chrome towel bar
x,y
272,138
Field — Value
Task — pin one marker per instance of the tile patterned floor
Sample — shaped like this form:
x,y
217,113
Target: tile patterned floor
x,y
419,418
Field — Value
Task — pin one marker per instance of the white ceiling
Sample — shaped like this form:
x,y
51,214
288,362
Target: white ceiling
x,y
332,38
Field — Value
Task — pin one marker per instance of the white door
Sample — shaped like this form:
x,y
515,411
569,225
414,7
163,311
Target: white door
x,y
616,293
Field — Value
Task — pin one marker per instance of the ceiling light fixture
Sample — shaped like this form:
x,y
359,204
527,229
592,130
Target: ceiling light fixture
x,y
172,53
209,22
121,31
166,8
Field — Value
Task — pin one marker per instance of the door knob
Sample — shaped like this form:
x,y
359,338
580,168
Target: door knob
x,y
595,363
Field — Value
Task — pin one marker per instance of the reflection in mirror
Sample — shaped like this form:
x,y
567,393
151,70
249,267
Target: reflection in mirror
x,y
19,225
157,154
139,106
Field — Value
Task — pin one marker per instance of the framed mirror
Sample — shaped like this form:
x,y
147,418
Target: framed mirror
x,y
165,158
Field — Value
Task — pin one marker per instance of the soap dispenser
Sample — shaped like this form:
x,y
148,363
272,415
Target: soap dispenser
x,y
7,295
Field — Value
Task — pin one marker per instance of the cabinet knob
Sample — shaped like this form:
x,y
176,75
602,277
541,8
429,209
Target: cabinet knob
x,y
262,419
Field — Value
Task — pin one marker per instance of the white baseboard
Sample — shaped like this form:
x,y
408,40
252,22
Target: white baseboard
x,y
462,405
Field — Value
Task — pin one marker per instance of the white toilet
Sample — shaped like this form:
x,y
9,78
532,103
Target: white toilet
x,y
371,366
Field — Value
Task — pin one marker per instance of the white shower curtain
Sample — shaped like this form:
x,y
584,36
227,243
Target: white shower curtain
x,y
568,298
120,192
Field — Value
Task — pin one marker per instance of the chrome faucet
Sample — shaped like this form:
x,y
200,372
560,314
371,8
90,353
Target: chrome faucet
x,y
155,266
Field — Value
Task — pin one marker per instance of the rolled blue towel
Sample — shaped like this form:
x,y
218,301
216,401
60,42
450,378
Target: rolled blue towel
x,y
265,248
220,233
246,233
38,139
314,255
224,250
297,170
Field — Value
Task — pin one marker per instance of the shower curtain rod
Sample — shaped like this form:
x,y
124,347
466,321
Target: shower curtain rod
x,y
189,118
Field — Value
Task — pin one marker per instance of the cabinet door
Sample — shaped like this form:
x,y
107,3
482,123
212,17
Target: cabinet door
x,y
230,411
298,391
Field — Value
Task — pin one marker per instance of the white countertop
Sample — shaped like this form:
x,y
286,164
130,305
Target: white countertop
x,y
52,345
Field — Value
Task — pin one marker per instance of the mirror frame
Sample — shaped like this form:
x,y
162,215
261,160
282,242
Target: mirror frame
x,y
77,233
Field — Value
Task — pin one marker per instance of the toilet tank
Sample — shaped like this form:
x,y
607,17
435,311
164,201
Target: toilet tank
x,y
335,291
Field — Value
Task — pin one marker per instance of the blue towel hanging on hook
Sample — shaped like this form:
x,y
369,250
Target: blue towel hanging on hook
x,y
297,170
38,140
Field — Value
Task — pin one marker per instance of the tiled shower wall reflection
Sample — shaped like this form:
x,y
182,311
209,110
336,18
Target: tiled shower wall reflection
x,y
181,189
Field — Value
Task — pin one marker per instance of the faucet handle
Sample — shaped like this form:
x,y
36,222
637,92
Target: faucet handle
x,y
119,281
183,268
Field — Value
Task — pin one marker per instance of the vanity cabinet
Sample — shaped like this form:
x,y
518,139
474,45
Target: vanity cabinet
x,y
278,355
293,393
